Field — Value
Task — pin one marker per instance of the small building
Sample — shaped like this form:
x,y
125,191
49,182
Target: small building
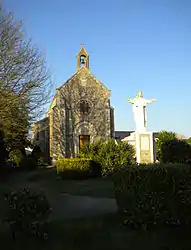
x,y
80,113
119,135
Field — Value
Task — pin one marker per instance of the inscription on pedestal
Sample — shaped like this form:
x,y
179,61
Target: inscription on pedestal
x,y
145,142
145,153
145,157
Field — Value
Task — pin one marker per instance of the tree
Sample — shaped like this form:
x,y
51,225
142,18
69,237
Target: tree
x,y
25,82
188,140
175,151
23,67
14,122
161,138
3,151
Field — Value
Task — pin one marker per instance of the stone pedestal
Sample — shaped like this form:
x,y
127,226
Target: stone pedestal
x,y
145,147
144,143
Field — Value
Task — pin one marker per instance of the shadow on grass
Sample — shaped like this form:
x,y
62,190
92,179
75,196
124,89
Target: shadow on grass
x,y
106,232
98,187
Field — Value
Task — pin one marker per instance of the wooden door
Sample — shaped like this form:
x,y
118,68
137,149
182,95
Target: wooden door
x,y
84,139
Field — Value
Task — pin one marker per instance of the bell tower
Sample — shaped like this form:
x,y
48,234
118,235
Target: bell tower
x,y
82,58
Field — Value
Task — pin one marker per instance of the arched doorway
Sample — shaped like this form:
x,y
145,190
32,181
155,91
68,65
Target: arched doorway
x,y
83,140
84,133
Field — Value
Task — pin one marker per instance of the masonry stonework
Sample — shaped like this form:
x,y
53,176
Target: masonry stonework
x,y
81,107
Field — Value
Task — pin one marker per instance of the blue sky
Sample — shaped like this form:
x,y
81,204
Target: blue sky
x,y
133,45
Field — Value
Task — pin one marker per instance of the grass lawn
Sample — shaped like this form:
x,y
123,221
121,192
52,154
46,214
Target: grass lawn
x,y
101,233
48,179
92,187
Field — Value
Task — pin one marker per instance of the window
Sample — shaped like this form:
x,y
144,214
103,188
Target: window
x,y
84,107
82,60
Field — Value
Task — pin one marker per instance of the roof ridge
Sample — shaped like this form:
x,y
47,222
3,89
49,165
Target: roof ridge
x,y
78,71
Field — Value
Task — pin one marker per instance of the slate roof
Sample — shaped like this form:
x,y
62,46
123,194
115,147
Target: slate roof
x,y
122,134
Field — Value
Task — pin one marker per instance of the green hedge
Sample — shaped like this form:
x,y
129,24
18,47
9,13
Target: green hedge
x,y
154,194
77,168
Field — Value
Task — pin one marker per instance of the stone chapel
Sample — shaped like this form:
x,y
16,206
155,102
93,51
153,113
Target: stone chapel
x,y
80,113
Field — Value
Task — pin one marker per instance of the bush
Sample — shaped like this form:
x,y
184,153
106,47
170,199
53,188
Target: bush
x,y
154,194
15,156
77,168
28,212
115,155
162,137
91,150
28,163
175,151
111,155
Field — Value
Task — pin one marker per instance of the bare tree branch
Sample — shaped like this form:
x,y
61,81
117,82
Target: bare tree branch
x,y
23,66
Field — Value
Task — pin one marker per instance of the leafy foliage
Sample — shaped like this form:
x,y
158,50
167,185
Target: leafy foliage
x,y
77,168
154,194
24,83
26,77
176,151
91,150
111,155
3,151
27,212
114,156
171,149
15,156
14,120
188,140
161,138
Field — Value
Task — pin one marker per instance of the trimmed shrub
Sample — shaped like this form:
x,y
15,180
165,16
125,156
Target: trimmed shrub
x,y
111,155
154,194
27,212
77,168
28,163
175,151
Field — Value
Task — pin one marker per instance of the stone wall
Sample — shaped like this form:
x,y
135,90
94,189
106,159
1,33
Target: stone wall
x,y
80,107
69,122
41,136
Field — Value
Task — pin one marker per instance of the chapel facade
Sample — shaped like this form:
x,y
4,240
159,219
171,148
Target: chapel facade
x,y
80,113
